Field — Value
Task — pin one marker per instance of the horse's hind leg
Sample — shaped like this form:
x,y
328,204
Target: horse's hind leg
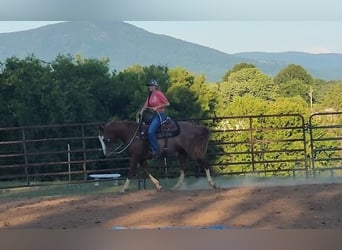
x,y
182,161
205,165
180,180
125,186
210,180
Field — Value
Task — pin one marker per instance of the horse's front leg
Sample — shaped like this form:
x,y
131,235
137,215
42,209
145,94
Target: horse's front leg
x,y
132,172
182,161
152,178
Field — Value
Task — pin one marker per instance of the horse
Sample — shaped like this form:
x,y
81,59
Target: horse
x,y
190,142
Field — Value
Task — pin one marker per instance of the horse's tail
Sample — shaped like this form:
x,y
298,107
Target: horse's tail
x,y
201,145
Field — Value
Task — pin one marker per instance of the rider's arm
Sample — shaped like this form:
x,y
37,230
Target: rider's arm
x,y
160,106
144,107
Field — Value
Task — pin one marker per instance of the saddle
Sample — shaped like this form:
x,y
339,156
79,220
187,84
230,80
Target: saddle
x,y
169,128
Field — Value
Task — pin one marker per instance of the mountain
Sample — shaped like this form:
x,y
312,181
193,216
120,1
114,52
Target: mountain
x,y
323,66
126,45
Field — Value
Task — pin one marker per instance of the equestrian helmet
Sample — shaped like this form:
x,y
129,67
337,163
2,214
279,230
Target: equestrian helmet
x,y
152,83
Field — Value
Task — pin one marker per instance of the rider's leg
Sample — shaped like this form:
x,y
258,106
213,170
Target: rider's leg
x,y
152,129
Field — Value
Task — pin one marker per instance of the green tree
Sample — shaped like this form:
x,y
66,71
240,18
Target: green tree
x,y
24,84
252,81
293,72
332,99
294,80
185,94
74,86
249,82
236,68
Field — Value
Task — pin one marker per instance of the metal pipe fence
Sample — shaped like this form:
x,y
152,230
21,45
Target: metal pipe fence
x,y
265,145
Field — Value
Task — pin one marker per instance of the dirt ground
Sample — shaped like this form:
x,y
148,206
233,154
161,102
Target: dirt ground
x,y
309,206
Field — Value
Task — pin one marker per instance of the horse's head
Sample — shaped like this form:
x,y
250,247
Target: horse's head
x,y
106,139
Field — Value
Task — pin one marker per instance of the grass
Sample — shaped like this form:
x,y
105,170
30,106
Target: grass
x,y
58,189
19,190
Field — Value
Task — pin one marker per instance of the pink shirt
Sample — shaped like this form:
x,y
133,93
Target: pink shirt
x,y
155,99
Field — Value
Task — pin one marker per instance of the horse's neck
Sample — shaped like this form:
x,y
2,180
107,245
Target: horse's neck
x,y
125,130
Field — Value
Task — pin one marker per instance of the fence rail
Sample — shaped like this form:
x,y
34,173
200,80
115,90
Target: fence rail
x,y
264,145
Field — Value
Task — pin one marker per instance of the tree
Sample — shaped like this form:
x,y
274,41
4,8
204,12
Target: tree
x,y
183,98
293,72
74,94
252,81
24,83
332,99
236,68
294,80
247,81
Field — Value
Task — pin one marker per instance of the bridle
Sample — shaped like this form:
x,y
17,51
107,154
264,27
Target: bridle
x,y
119,149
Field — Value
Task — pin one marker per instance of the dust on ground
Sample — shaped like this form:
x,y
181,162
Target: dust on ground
x,y
297,206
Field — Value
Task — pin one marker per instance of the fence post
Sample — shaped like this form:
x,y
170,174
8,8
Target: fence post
x,y
251,139
313,152
25,156
85,176
69,167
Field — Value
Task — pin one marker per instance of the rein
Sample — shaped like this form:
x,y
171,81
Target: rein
x,y
114,151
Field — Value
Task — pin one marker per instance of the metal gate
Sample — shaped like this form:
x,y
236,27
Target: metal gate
x,y
264,145
326,143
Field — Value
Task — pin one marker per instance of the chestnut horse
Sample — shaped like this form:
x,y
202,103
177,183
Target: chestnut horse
x,y
190,142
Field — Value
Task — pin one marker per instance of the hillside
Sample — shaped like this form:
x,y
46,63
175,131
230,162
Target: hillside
x,y
126,45
324,66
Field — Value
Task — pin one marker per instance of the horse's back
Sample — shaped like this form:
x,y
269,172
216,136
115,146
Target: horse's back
x,y
197,130
194,139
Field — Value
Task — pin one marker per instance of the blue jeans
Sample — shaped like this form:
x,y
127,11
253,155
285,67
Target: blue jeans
x,y
156,121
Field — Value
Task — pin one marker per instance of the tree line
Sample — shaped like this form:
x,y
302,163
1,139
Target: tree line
x,y
76,90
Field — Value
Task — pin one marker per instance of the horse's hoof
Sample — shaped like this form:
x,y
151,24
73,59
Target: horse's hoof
x,y
159,188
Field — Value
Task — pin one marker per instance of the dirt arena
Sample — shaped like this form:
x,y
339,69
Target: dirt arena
x,y
304,206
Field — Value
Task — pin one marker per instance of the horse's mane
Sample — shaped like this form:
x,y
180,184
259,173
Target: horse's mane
x,y
112,121
113,124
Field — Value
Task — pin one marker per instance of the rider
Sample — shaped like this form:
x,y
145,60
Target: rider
x,y
157,102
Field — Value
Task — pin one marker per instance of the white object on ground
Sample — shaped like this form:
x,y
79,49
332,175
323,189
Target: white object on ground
x,y
105,176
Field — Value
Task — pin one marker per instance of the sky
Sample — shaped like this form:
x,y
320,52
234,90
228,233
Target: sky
x,y
231,26
246,36
236,36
